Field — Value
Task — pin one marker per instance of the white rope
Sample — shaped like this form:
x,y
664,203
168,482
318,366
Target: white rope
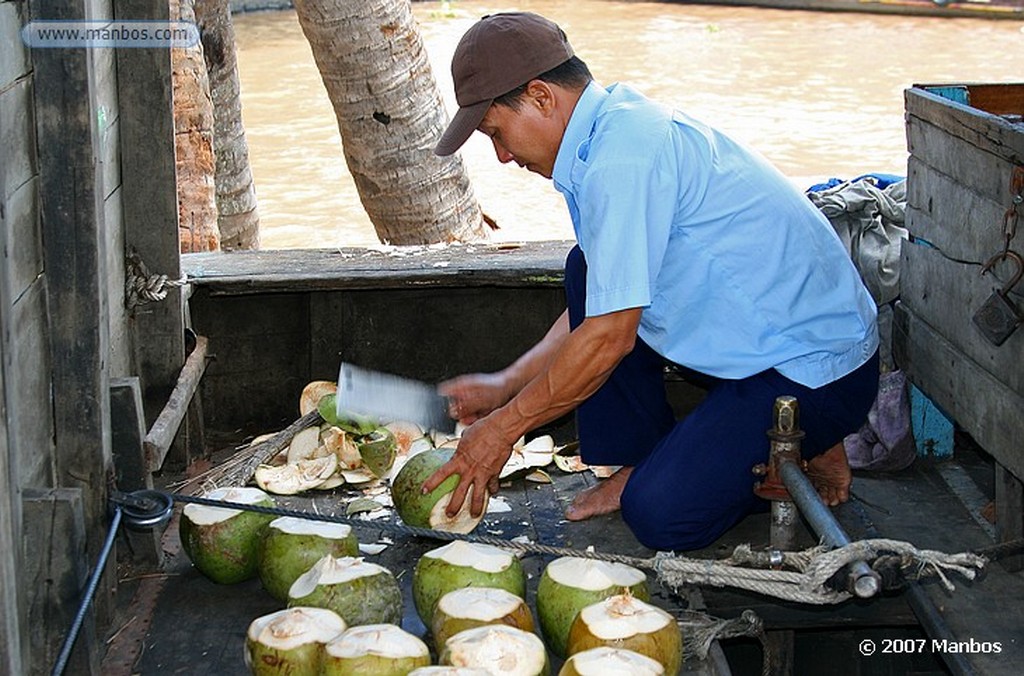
x,y
141,287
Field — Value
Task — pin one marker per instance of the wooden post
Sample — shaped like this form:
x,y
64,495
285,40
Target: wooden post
x,y
1009,513
74,231
151,208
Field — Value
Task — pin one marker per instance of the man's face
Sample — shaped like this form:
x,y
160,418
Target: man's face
x,y
524,135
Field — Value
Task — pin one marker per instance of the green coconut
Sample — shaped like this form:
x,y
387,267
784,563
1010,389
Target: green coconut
x,y
374,650
469,607
223,544
502,650
571,583
378,450
348,421
359,591
428,511
605,660
290,546
461,564
623,621
290,641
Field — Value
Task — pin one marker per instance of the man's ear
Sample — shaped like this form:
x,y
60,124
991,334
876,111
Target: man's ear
x,y
540,94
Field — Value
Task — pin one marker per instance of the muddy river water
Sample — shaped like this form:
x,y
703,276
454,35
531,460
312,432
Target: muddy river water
x,y
819,94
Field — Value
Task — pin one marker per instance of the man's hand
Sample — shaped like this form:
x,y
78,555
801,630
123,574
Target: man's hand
x,y
479,457
473,396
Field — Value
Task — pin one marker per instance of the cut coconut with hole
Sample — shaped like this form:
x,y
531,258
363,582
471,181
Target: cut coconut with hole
x,y
374,650
605,660
377,450
291,641
291,546
571,583
469,607
313,392
359,591
428,511
623,621
461,564
295,477
504,651
223,543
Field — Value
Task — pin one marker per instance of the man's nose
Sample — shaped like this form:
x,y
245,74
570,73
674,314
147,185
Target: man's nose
x,y
504,156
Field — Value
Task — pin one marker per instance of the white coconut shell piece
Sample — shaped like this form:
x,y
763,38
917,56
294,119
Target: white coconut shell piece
x,y
570,463
358,476
332,481
604,471
296,477
339,443
537,453
442,670
304,445
313,392
405,434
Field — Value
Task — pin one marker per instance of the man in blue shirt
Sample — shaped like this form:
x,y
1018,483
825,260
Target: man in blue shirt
x,y
693,250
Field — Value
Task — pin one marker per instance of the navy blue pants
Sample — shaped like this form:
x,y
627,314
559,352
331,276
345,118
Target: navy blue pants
x,y
692,478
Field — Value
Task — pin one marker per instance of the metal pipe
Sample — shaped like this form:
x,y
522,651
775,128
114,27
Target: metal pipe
x,y
864,582
90,590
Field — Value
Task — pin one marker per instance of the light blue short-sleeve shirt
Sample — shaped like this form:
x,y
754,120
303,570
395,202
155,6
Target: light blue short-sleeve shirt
x,y
736,271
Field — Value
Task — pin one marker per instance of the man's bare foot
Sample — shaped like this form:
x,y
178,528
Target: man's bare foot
x,y
830,473
602,498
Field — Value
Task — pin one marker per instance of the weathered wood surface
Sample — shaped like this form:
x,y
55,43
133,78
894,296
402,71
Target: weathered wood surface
x,y
1009,500
946,295
978,401
146,132
529,264
983,130
160,436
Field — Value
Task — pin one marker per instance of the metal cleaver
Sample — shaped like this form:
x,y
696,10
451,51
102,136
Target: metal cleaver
x,y
389,397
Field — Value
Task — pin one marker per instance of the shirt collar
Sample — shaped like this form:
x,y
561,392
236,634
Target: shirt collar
x,y
581,123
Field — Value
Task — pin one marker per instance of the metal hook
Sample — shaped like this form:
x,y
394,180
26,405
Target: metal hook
x,y
1002,256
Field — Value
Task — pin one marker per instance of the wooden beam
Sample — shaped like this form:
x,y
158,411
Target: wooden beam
x,y
151,207
159,438
1009,513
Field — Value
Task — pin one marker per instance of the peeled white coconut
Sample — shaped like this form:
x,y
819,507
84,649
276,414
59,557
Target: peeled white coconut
x,y
469,607
223,543
605,660
623,621
537,453
295,477
374,650
359,591
442,670
461,564
572,583
313,392
428,511
291,546
502,650
290,641
570,464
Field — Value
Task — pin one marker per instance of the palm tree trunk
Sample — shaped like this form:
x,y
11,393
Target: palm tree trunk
x,y
390,114
193,144
238,218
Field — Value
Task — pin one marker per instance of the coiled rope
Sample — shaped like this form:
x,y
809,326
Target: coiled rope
x,y
141,287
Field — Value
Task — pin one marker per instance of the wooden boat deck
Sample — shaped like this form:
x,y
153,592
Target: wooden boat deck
x,y
179,622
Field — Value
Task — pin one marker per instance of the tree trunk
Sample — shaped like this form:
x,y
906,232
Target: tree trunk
x,y
390,114
193,144
238,219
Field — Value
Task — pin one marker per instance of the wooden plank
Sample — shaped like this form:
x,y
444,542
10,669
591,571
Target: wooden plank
x,y
120,359
159,438
960,222
946,294
20,221
998,99
56,570
1009,513
977,128
982,405
146,127
531,264
17,137
15,63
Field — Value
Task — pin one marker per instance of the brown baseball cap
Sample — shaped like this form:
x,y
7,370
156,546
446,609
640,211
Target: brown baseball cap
x,y
497,54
